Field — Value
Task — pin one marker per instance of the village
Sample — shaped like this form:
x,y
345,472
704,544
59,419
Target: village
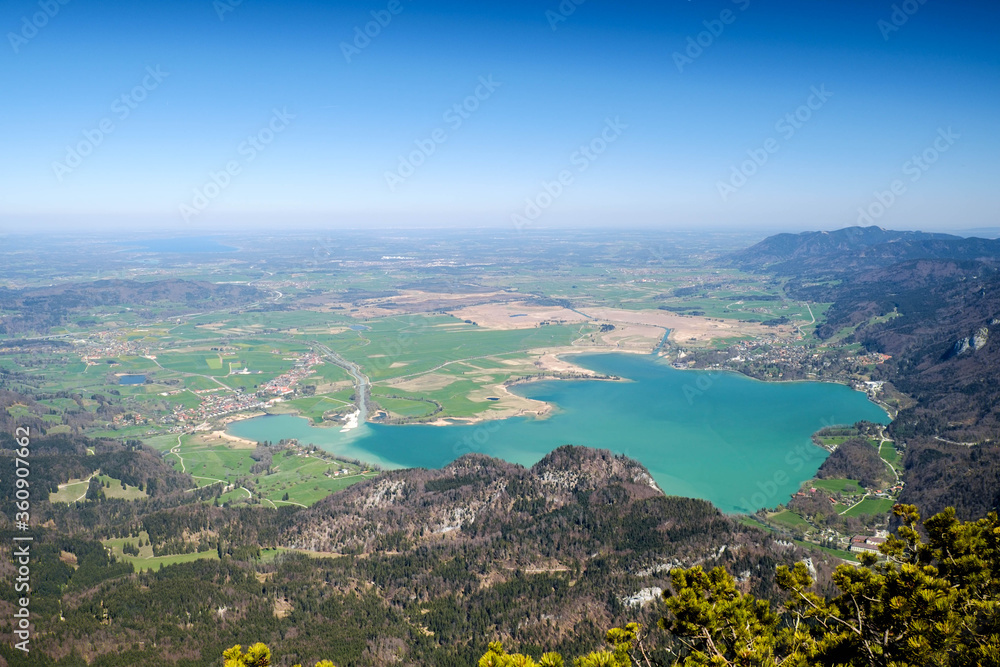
x,y
104,345
222,401
771,358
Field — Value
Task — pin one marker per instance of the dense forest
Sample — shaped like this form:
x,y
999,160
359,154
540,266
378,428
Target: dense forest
x,y
418,567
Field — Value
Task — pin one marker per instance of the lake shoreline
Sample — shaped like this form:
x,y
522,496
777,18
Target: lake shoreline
x,y
562,370
705,435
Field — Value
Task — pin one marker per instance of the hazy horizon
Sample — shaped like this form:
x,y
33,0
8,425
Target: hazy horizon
x,y
230,233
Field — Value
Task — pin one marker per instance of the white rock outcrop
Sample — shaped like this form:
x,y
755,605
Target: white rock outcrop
x,y
979,338
643,597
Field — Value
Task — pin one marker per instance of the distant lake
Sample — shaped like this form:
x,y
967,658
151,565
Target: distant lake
x,y
737,442
186,245
131,379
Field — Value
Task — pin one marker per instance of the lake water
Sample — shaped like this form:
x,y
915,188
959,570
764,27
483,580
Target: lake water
x,y
740,443
131,379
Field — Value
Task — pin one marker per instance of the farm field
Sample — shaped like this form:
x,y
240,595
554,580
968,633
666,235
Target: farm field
x,y
839,553
871,506
314,407
394,324
889,453
790,520
296,476
403,407
398,347
848,486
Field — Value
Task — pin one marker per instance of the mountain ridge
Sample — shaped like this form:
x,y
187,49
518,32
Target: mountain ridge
x,y
857,248
420,567
932,304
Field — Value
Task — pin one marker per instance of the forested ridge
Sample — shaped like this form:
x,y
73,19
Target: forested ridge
x,y
930,597
412,567
932,303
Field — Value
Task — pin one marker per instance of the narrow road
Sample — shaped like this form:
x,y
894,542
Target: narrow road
x,y
176,452
67,484
270,274
440,366
361,382
891,467
288,502
813,317
214,482
952,442
855,504
86,481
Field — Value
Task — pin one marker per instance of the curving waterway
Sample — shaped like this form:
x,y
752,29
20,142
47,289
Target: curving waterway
x,y
737,442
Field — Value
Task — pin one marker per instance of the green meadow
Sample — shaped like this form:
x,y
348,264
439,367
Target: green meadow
x,y
146,560
848,486
76,489
305,477
871,506
791,520
405,346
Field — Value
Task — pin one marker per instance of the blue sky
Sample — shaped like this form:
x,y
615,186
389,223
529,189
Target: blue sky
x,y
316,133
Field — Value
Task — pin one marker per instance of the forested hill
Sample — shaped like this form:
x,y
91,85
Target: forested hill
x,y
414,567
932,302
476,496
856,249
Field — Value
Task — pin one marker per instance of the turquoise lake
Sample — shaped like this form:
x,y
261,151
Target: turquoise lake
x,y
737,442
